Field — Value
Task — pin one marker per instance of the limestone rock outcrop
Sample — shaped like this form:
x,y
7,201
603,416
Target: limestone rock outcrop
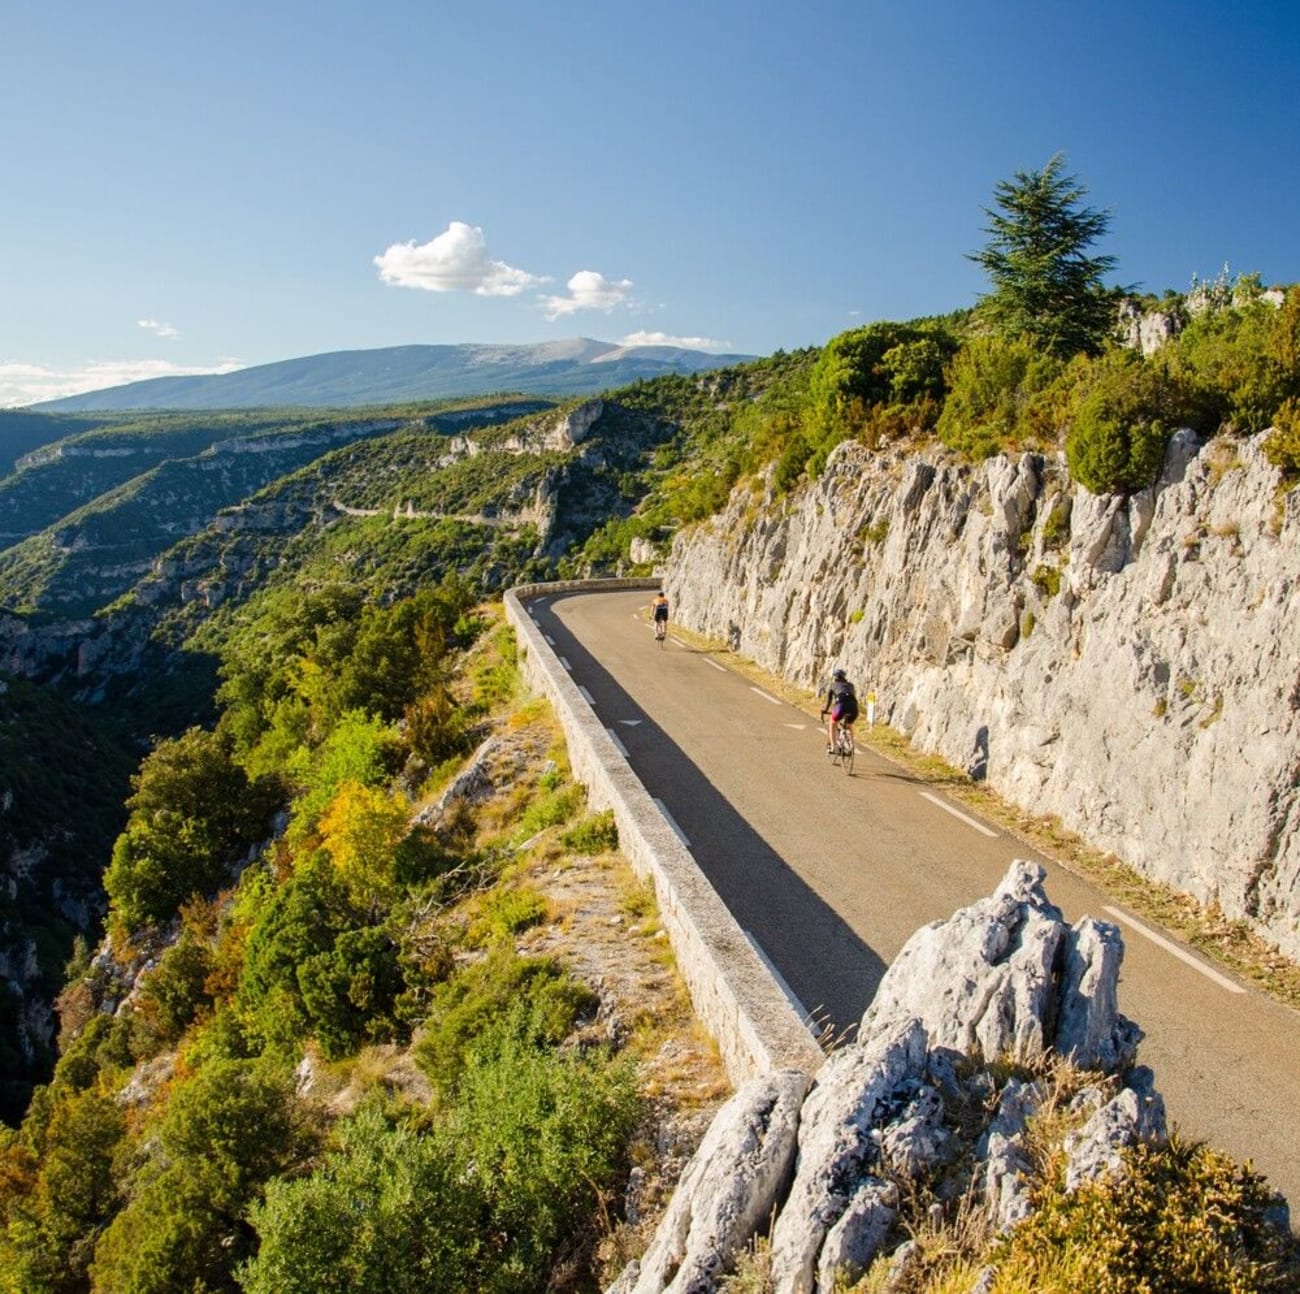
x,y
1128,665
1004,978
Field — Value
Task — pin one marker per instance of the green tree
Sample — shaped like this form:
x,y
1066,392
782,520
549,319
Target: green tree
x,y
193,814
226,1131
1045,285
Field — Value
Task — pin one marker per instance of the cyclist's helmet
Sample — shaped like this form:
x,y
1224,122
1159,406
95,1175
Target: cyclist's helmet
x,y
839,674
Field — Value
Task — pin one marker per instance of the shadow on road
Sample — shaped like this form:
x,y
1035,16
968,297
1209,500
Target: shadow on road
x,y
829,969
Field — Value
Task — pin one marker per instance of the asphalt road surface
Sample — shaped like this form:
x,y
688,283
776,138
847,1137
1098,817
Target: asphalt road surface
x,y
829,874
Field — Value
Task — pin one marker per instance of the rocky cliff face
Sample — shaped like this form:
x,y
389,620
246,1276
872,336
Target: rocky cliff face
x,y
1131,666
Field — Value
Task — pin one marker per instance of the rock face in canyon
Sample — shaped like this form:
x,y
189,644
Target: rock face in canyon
x,y
1129,665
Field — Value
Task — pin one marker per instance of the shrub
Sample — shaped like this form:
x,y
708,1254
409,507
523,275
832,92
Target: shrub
x,y
991,383
508,911
1179,1217
1047,580
1282,445
541,1000
1125,415
595,834
193,814
1243,359
550,810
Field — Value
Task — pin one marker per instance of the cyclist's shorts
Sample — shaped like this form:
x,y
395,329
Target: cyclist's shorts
x,y
843,713
661,613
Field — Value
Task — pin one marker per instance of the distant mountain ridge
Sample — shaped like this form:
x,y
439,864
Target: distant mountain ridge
x,y
348,378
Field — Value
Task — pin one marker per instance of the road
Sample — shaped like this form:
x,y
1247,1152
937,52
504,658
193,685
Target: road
x,y
830,874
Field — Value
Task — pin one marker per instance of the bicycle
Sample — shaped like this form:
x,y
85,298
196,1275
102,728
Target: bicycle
x,y
661,632
842,747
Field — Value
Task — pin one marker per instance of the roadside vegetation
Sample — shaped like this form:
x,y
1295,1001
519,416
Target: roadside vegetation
x,y
339,1037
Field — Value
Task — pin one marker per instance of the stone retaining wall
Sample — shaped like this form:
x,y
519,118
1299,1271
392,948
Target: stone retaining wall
x,y
733,992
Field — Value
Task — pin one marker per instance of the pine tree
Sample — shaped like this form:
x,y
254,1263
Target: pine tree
x,y
1044,285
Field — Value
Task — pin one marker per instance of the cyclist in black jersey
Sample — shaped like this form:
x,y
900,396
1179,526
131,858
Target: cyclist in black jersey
x,y
841,705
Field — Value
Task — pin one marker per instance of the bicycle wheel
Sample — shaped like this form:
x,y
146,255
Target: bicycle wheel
x,y
846,750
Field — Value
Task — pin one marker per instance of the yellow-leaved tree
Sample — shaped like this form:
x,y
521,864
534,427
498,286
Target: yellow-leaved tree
x,y
362,830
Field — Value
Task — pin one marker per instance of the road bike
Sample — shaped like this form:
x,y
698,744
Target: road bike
x,y
661,632
841,749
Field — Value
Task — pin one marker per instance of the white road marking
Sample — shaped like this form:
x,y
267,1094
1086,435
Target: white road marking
x,y
549,639
802,1011
957,813
587,697
1182,954
672,822
631,723
764,695
622,749
798,727
566,664
721,668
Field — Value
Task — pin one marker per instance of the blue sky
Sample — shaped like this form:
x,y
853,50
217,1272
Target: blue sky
x,y
190,187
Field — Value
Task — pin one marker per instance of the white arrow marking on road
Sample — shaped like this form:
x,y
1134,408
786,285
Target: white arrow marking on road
x,y
957,813
631,723
764,695
1160,941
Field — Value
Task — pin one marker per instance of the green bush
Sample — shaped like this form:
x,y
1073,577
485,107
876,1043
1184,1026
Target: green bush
x,y
1179,1217
1282,444
993,383
595,834
550,810
1243,359
383,1213
505,1183
194,813
541,1001
1127,410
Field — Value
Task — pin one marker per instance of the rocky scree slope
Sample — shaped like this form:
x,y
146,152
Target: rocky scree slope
x,y
1128,665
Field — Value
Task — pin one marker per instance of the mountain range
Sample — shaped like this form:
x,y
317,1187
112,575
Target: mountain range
x,y
344,379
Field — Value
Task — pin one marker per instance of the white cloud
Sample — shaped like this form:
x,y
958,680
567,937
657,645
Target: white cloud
x,y
588,290
23,384
159,329
665,339
455,261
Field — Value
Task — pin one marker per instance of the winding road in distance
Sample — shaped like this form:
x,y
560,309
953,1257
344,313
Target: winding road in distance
x,y
830,874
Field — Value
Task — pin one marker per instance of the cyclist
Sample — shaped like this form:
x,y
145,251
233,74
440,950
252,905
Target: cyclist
x,y
841,705
659,613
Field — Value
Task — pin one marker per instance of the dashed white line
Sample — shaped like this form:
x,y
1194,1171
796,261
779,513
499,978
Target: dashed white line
x,y
566,664
957,813
800,1010
622,749
587,697
720,668
764,695
549,639
672,822
1182,954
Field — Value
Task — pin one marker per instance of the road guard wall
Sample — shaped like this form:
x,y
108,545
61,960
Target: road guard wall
x,y
733,991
